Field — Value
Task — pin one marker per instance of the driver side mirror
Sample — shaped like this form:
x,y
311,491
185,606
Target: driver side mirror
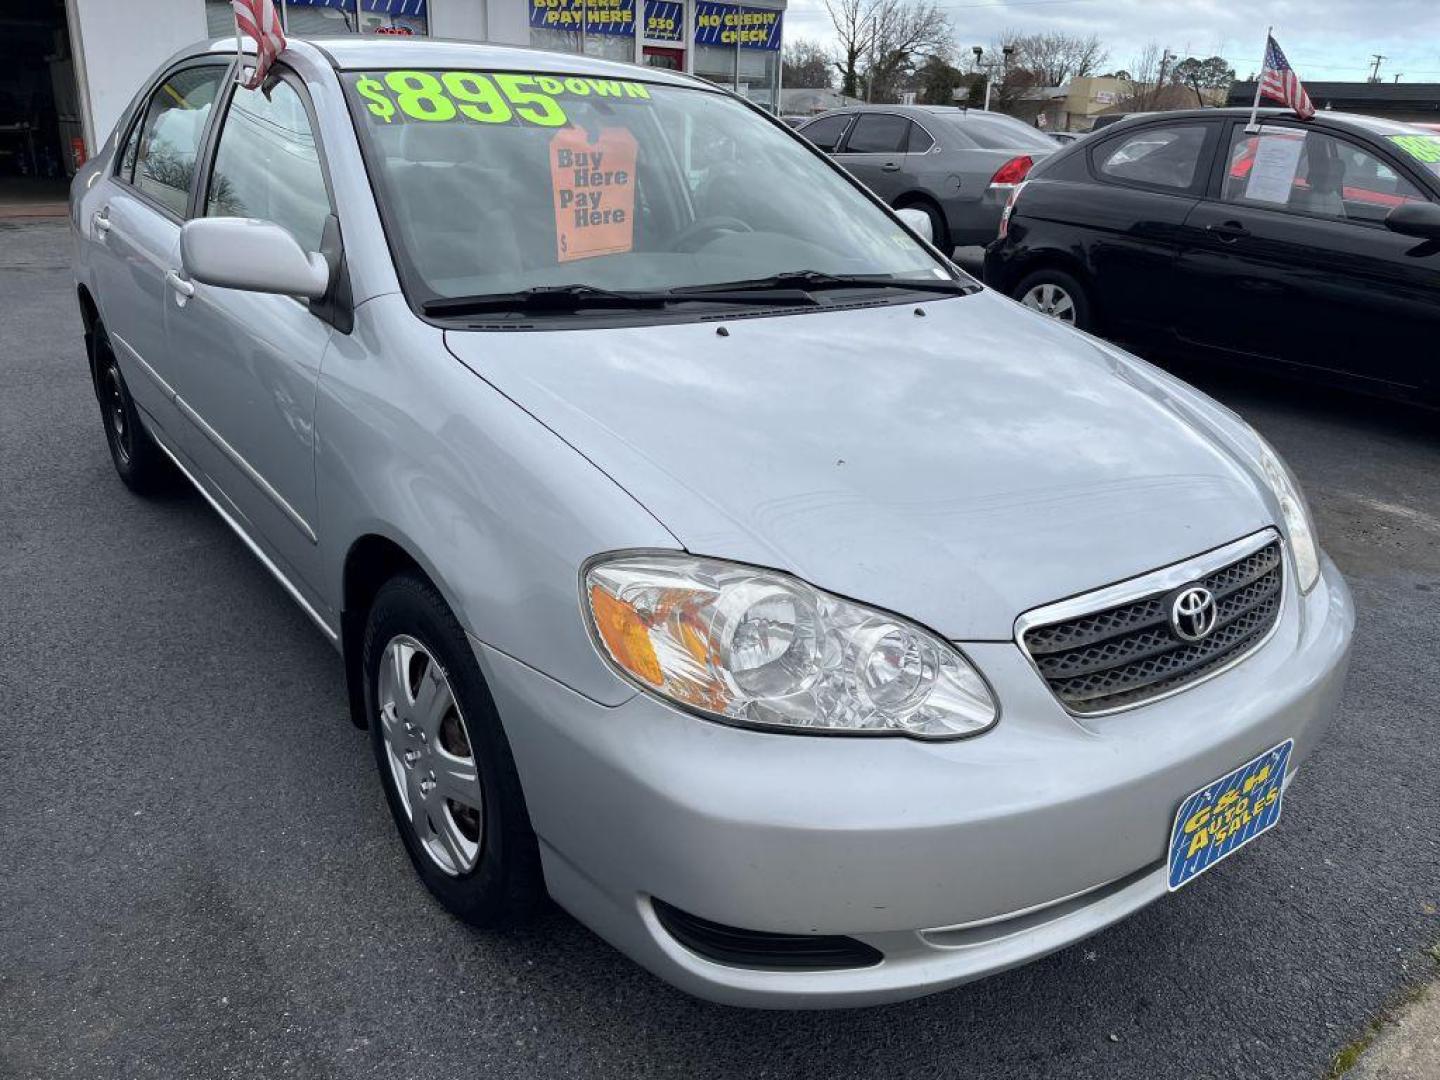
x,y
919,223
1421,219
258,256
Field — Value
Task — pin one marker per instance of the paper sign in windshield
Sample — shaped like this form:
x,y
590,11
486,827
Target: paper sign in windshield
x,y
1272,176
594,187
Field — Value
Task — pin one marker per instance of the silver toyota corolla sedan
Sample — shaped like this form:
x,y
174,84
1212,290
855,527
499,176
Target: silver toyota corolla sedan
x,y
701,546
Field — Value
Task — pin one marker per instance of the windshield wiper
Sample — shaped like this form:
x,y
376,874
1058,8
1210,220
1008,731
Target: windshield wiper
x,y
566,299
545,298
815,280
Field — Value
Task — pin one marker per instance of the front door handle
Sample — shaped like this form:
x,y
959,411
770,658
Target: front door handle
x,y
102,222
889,166
1228,231
184,289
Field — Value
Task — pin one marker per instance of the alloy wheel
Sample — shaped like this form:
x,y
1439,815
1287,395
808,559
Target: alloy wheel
x,y
1050,299
432,760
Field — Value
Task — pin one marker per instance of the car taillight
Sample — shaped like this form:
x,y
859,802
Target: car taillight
x,y
1010,208
1013,171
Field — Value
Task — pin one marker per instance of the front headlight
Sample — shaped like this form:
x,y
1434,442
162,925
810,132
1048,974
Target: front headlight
x,y
757,647
1296,515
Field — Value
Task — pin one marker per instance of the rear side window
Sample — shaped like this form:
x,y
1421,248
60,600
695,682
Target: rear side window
x,y
268,165
1166,157
878,133
920,139
825,133
170,138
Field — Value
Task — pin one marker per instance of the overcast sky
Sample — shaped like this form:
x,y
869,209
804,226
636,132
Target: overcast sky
x,y
1323,39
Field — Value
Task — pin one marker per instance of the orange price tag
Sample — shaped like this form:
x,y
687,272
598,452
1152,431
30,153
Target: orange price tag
x,y
594,186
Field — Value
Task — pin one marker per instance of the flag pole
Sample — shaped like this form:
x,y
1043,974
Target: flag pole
x,y
1252,127
239,53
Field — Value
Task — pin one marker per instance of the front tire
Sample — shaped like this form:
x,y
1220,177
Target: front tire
x,y
139,462
444,761
1058,295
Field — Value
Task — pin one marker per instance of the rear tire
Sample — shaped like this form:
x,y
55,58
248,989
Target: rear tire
x,y
939,228
444,761
139,462
1056,294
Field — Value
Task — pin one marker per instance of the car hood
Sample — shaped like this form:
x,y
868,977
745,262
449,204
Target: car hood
x,y
957,461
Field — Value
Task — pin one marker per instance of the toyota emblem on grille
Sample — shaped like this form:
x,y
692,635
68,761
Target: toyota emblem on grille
x,y
1193,613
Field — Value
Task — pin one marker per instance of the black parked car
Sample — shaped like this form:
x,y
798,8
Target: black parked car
x,y
1307,245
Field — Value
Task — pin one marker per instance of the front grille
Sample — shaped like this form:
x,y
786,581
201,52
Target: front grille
x,y
1126,654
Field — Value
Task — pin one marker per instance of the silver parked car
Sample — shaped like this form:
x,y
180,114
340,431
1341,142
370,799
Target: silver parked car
x,y
814,624
957,166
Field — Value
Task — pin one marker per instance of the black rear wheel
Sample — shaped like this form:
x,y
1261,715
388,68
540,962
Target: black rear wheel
x,y
139,462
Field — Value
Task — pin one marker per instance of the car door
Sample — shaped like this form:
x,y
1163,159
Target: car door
x,y
1147,180
1290,260
247,363
875,153
137,227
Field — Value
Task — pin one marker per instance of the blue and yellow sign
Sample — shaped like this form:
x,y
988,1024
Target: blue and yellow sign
x,y
727,25
664,21
1223,817
614,17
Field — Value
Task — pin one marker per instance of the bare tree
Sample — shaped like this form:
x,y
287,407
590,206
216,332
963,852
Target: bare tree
x,y
1055,57
807,64
885,37
1142,79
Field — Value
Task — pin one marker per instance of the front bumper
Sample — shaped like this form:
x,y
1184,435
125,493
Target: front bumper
x,y
955,860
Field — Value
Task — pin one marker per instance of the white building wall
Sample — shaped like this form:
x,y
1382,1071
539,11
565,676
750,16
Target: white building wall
x,y
119,46
509,20
463,19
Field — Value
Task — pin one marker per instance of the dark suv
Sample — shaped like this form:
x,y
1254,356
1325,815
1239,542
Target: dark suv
x,y
1308,245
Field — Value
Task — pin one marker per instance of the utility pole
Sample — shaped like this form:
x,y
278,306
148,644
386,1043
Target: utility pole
x,y
1375,67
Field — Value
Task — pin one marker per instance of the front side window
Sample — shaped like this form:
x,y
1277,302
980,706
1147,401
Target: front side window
x,y
170,138
825,133
878,133
1166,157
1310,172
267,164
496,183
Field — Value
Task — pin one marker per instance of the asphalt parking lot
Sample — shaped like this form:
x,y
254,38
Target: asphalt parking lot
x,y
200,878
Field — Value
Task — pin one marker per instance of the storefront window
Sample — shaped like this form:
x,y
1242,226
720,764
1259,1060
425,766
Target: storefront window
x,y
319,18
603,28
739,48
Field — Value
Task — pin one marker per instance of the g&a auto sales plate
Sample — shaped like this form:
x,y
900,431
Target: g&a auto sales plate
x,y
1224,816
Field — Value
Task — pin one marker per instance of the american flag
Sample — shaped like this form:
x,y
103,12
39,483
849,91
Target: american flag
x,y
1278,82
257,18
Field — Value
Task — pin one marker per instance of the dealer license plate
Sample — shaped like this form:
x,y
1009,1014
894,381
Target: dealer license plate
x,y
1224,816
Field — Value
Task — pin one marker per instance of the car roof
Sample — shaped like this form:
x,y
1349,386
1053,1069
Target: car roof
x,y
1373,125
380,51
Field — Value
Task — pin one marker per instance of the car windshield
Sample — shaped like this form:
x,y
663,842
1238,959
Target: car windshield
x,y
500,183
996,131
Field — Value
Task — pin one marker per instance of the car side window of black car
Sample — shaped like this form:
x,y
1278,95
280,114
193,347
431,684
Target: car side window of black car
x,y
825,133
1314,173
878,133
267,164
1156,156
170,135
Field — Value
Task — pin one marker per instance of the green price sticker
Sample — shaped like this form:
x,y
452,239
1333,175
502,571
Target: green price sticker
x,y
1425,148
499,98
